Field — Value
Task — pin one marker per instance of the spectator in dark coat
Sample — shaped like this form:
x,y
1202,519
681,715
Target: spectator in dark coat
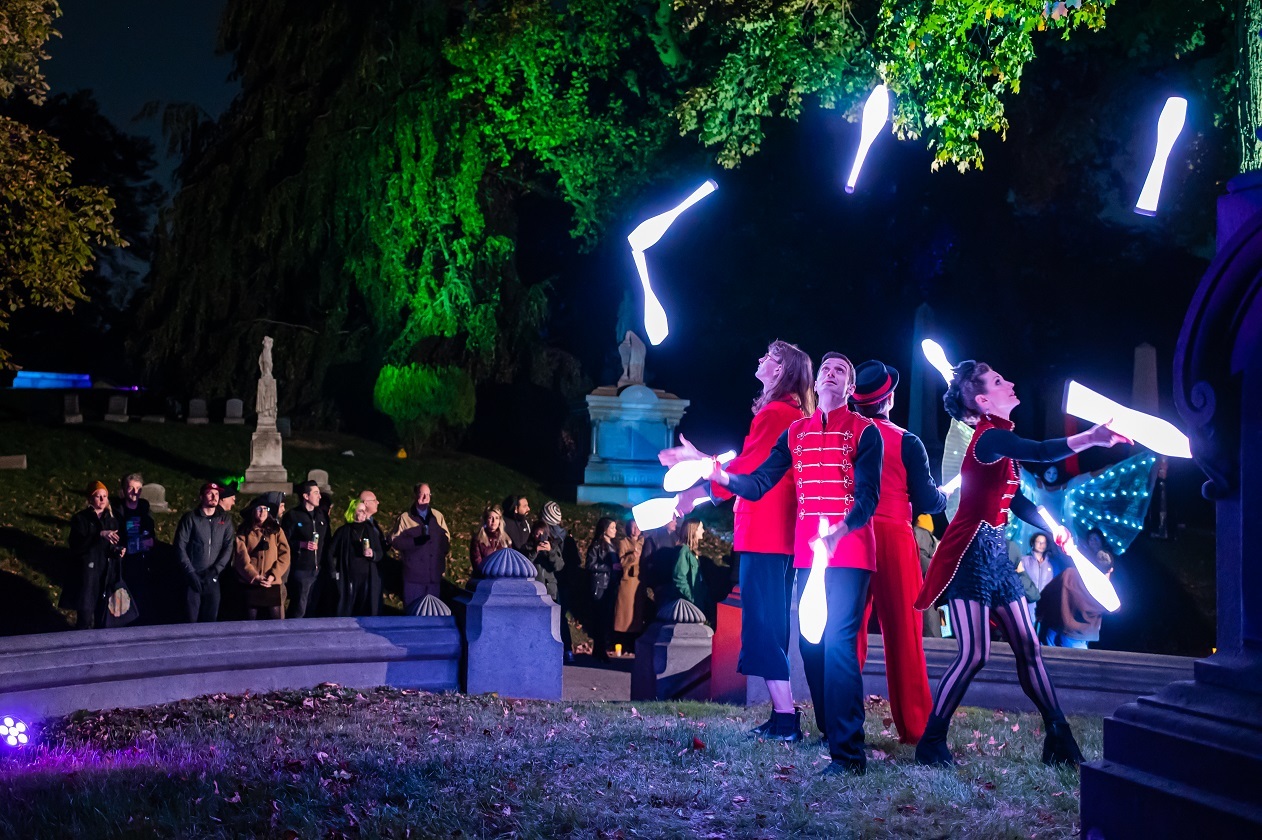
x,y
307,529
517,521
203,549
554,554
136,529
98,548
604,569
356,551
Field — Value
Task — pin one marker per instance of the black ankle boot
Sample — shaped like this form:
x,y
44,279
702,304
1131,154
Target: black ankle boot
x,y
1059,747
932,748
761,730
785,726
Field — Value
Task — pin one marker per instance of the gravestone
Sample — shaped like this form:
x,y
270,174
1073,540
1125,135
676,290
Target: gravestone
x,y
70,409
267,470
672,656
156,496
513,631
197,413
1186,761
629,427
118,410
12,462
321,478
234,413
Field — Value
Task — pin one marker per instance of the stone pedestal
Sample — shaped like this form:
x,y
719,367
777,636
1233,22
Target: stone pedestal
x,y
727,684
512,632
629,428
1187,761
266,472
672,657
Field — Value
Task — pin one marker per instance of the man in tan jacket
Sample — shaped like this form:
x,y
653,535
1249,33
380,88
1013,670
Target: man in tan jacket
x,y
421,537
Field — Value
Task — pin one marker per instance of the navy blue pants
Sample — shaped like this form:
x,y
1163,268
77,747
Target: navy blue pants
x,y
832,666
766,582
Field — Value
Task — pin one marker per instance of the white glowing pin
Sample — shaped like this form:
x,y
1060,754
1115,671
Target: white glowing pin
x,y
813,608
876,112
952,485
1169,126
936,356
687,473
656,513
1153,432
1097,582
655,324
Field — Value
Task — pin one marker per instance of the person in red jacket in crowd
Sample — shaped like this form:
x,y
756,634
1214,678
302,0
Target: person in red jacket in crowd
x,y
971,569
906,487
835,457
763,534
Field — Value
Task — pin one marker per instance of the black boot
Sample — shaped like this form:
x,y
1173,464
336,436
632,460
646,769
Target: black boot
x,y
932,748
785,726
1059,747
761,730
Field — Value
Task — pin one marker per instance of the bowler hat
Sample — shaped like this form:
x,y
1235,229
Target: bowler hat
x,y
873,382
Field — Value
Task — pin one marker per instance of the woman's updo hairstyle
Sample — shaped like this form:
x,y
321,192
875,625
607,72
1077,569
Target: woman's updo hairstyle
x,y
960,399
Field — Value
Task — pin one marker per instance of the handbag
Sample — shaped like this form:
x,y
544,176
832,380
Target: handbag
x,y
120,607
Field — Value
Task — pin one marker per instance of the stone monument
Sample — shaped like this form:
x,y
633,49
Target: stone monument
x,y
631,423
672,656
1186,761
266,471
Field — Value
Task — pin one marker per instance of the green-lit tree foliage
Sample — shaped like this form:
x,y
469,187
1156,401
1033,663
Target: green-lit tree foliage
x,y
48,225
358,199
424,399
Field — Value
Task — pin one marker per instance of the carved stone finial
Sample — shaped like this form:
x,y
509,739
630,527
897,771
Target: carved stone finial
x,y
430,606
681,611
508,563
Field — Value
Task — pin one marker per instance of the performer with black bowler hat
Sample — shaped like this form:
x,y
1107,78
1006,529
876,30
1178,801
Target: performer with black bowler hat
x,y
971,567
906,488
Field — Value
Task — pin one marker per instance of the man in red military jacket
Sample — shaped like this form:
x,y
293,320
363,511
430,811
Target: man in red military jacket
x,y
835,458
906,487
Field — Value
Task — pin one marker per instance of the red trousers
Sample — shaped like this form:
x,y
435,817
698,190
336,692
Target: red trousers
x,y
893,588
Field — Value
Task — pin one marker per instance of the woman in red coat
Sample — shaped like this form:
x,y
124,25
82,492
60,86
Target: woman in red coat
x,y
764,533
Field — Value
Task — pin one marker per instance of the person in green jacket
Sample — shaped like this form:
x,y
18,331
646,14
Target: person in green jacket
x,y
682,579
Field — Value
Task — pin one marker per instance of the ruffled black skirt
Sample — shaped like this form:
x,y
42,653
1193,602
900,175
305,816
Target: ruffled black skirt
x,y
985,574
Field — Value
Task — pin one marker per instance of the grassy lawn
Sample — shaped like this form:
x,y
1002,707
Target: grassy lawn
x,y
335,762
36,504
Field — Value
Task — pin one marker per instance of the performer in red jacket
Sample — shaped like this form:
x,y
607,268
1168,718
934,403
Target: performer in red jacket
x,y
971,566
835,456
906,487
763,536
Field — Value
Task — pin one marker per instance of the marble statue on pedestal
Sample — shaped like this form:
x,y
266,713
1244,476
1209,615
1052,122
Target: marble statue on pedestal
x,y
267,470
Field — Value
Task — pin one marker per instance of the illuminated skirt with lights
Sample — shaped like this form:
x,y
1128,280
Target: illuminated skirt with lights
x,y
986,574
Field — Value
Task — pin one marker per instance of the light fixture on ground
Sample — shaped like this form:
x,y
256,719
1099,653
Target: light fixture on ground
x,y
876,112
13,732
1169,126
1158,435
645,236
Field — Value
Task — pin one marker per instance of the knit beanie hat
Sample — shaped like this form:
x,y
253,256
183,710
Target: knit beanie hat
x,y
551,514
96,485
925,521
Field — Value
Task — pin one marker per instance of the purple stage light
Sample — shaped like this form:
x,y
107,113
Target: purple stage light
x,y
13,732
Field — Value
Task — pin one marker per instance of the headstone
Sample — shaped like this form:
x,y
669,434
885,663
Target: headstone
x,y
513,631
267,469
321,478
197,413
118,410
12,462
1186,761
70,409
156,496
234,413
672,656
629,428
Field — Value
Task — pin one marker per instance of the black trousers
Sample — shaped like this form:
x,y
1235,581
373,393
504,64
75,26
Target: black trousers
x,y
301,584
91,581
832,666
202,606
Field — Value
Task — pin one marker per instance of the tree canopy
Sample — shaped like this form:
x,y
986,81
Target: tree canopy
x,y
51,225
359,198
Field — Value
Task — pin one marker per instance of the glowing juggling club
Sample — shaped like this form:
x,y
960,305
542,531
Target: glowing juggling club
x,y
936,356
876,112
644,237
1158,435
656,513
655,325
952,485
687,473
1169,126
647,233
1097,582
813,608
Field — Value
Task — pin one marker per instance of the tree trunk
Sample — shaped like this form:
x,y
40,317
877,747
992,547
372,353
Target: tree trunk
x,y
1249,76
